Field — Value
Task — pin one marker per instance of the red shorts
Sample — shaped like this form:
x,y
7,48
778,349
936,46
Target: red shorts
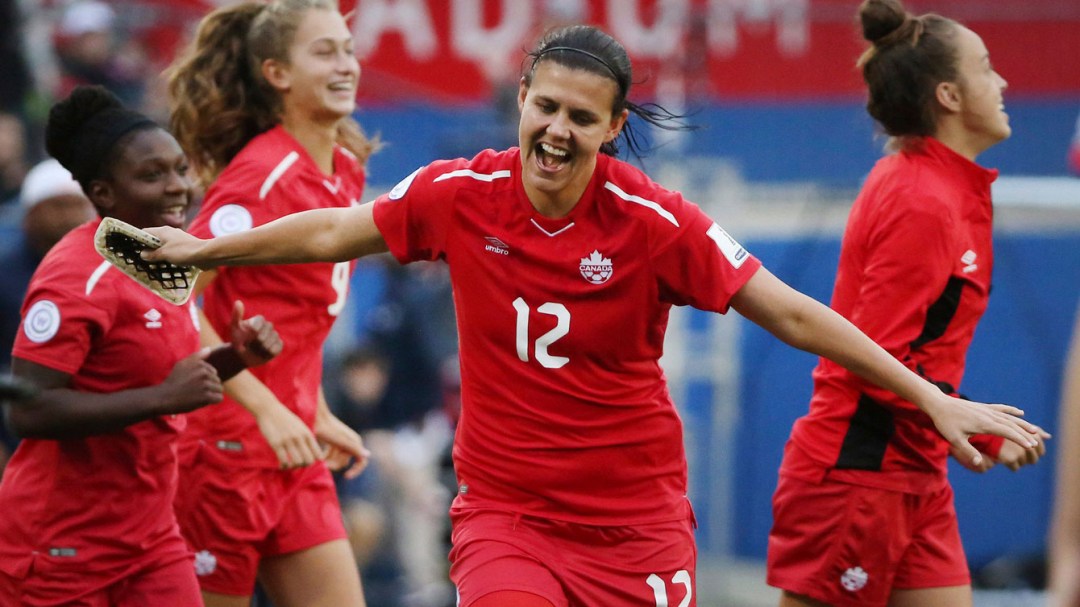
x,y
174,580
233,516
849,545
572,564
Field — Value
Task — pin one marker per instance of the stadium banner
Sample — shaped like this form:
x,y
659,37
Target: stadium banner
x,y
461,51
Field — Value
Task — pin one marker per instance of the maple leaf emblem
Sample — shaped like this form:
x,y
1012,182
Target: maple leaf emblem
x,y
596,268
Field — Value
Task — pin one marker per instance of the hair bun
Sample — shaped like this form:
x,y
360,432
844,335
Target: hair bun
x,y
880,18
68,117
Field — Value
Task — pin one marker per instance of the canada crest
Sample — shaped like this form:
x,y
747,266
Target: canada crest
x,y
596,268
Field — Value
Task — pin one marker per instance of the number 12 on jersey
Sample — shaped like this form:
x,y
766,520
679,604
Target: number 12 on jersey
x,y
660,588
562,327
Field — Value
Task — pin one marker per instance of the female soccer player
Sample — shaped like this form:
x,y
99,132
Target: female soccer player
x,y
87,499
864,472
263,103
565,263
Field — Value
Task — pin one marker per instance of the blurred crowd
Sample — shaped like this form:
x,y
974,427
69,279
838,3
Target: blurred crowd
x,y
392,366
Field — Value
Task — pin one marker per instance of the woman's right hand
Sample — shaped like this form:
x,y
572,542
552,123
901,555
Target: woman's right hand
x,y
290,438
177,247
192,383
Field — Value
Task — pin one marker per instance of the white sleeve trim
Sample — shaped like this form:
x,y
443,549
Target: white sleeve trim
x,y
96,276
661,211
278,171
489,177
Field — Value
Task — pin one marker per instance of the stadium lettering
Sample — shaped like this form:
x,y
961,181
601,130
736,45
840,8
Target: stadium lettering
x,y
475,36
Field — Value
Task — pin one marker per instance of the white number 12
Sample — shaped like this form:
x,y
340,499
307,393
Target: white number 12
x,y
562,327
660,588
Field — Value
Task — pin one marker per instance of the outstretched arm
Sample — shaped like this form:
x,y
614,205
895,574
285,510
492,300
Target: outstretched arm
x,y
316,235
809,325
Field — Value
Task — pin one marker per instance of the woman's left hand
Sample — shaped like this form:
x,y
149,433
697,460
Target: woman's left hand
x,y
341,444
957,420
1014,456
254,339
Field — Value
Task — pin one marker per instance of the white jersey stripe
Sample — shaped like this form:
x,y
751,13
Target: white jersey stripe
x,y
96,276
556,232
278,171
477,176
661,211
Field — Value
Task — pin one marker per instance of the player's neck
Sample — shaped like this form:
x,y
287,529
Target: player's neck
x,y
959,139
317,139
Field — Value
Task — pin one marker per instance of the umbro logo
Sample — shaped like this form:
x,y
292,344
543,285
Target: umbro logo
x,y
153,319
968,259
494,245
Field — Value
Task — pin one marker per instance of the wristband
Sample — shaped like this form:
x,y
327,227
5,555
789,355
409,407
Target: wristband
x,y
226,361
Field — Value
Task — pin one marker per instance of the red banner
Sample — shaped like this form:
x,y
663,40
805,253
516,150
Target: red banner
x,y
456,51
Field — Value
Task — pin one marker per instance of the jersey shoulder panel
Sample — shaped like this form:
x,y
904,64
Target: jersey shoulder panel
x,y
416,217
73,294
273,177
253,174
74,268
487,171
900,192
902,183
665,213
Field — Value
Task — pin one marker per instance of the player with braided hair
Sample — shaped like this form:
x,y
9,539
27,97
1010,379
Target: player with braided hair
x,y
110,370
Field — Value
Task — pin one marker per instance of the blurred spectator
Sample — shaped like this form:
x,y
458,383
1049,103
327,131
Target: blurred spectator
x,y
12,155
410,322
90,51
15,84
401,496
355,393
397,389
52,204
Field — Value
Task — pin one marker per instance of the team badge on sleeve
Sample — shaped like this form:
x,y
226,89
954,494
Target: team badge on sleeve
x,y
42,321
403,186
230,219
732,250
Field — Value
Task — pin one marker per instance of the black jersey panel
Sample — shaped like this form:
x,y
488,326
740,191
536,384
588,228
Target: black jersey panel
x,y
941,313
867,437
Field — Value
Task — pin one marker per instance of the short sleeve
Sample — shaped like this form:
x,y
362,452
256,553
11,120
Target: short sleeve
x,y
60,325
704,266
414,217
231,205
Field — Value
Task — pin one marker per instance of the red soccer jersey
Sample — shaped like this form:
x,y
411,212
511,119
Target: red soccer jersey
x,y
271,177
96,506
914,275
565,409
